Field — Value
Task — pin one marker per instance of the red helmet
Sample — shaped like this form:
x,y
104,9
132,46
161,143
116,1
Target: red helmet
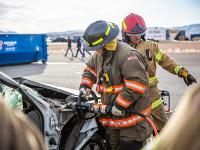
x,y
133,24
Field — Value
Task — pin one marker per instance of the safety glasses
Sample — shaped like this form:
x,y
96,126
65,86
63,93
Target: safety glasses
x,y
131,34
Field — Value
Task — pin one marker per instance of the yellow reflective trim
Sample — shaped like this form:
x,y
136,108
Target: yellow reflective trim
x,y
152,79
97,42
108,30
107,77
101,39
124,25
159,55
109,89
177,68
112,25
156,103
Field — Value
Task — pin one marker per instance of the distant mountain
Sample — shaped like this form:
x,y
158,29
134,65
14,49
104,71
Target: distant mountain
x,y
8,32
189,29
71,33
193,28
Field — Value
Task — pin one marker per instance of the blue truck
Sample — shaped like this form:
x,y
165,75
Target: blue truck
x,y
22,48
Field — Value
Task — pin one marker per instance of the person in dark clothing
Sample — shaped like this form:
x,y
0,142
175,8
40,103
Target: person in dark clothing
x,y
69,46
79,45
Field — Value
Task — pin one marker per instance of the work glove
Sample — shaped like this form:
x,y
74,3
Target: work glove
x,y
99,108
188,78
183,73
85,91
106,109
117,112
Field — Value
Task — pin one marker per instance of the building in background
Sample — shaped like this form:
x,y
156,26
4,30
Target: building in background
x,y
156,34
190,32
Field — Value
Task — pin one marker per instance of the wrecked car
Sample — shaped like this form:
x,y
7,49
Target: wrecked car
x,y
53,110
59,113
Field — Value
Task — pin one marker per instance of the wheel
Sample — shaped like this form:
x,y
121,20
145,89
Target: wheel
x,y
96,142
36,118
44,61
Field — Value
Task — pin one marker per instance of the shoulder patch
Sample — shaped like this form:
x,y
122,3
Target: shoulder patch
x,y
132,57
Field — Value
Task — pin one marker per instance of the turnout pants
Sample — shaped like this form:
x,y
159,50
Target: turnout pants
x,y
159,116
127,138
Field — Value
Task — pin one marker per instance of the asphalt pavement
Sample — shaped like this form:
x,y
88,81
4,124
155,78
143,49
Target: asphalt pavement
x,y
66,72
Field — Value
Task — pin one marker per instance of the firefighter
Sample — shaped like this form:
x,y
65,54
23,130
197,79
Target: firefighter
x,y
122,83
133,33
182,130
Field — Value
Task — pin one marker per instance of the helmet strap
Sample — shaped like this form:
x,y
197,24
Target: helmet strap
x,y
126,38
143,37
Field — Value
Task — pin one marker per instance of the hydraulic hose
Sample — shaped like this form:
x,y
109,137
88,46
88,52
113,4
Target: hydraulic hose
x,y
152,125
130,111
148,120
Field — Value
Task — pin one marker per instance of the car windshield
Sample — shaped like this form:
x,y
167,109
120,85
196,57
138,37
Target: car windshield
x,y
13,97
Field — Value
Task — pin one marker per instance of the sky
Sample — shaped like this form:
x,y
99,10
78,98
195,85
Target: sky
x,y
42,16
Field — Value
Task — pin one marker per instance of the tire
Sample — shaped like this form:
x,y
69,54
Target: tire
x,y
36,118
96,142
44,61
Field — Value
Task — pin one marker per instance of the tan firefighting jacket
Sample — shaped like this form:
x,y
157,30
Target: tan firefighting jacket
x,y
127,87
153,55
156,56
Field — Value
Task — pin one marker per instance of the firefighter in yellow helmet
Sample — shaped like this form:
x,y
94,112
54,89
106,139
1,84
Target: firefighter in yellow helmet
x,y
133,33
122,81
182,130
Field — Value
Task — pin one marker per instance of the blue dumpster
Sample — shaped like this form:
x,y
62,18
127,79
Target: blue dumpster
x,y
22,48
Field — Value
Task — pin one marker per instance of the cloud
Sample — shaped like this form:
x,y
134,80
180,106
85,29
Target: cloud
x,y
4,7
28,16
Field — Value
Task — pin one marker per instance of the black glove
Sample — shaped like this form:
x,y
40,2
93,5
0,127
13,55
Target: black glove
x,y
188,78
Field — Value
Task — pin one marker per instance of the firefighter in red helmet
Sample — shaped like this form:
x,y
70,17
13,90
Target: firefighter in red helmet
x,y
133,33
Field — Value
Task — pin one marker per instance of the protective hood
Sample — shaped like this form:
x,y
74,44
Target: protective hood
x,y
111,46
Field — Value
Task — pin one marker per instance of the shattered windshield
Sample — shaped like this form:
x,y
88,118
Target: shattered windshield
x,y
11,97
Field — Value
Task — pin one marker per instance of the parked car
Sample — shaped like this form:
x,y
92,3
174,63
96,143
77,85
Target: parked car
x,y
59,39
